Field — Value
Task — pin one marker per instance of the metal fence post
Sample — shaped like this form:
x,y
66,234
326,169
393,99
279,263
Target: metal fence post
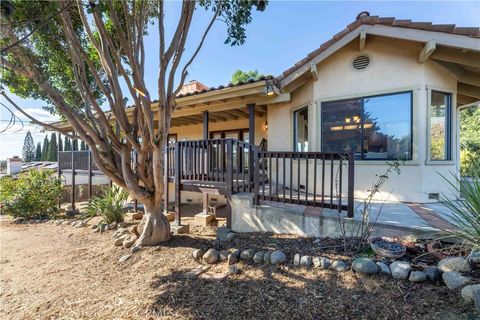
x,y
351,179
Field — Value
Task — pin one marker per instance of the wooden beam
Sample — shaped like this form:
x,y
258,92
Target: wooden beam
x,y
427,51
313,70
468,90
228,115
471,78
456,56
462,100
363,40
216,116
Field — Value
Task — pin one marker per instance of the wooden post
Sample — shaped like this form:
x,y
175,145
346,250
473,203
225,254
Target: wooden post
x,y
178,176
165,192
251,140
256,180
351,178
89,174
73,181
205,125
229,181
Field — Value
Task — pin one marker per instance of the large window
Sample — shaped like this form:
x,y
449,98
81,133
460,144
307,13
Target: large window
x,y
377,127
300,130
439,130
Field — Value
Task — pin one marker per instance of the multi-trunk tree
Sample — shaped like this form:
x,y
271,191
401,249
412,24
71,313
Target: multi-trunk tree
x,y
80,57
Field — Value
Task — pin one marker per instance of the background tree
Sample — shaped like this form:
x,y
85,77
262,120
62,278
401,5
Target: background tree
x,y
75,144
74,55
469,140
60,144
28,148
68,146
243,76
38,152
53,148
45,149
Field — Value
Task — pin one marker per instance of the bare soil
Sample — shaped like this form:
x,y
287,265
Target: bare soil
x,y
61,272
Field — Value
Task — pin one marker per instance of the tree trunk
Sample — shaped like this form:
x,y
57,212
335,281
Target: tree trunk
x,y
156,228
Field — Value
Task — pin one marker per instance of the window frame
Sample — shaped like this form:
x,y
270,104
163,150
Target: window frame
x,y
449,128
295,129
362,134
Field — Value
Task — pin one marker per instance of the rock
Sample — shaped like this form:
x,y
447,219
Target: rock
x,y
454,280
135,249
400,270
417,276
474,257
456,264
321,262
211,256
128,242
232,259
105,227
134,230
472,293
80,224
364,266
258,257
137,216
230,236
197,254
119,241
95,226
123,224
266,257
233,269
317,241
236,252
383,268
306,261
316,262
296,259
69,222
124,258
339,266
278,257
223,255
217,244
21,220
247,255
112,226
222,233
96,230
433,274
57,222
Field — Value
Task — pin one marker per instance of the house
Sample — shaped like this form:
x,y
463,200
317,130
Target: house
x,y
380,90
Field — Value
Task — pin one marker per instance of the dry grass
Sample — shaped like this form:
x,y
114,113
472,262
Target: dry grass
x,y
60,272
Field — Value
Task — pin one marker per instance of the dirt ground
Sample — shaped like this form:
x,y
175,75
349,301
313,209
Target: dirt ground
x,y
61,272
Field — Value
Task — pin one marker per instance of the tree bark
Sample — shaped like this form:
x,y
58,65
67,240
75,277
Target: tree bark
x,y
156,228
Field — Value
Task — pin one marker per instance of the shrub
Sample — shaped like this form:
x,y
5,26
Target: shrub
x,y
110,205
465,211
33,194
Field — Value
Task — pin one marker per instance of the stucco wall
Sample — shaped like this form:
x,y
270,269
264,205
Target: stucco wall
x,y
394,67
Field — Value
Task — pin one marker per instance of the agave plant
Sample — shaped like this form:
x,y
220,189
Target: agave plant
x,y
110,205
465,211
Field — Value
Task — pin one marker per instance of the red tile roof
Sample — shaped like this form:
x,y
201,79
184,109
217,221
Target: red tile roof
x,y
364,18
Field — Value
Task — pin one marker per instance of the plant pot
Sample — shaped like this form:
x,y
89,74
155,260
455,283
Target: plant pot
x,y
387,247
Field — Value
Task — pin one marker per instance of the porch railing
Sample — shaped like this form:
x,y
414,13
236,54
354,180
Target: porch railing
x,y
316,179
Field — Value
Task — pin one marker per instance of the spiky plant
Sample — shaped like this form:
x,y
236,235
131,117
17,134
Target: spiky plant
x,y
110,205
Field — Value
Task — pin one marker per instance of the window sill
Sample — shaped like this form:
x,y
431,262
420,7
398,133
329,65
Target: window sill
x,y
440,163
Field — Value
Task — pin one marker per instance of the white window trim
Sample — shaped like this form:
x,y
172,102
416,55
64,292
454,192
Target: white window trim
x,y
453,127
294,109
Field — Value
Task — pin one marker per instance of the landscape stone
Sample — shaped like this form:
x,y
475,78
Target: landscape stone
x,y
266,257
128,242
454,280
364,266
383,268
223,255
236,252
258,257
433,274
197,254
316,262
457,264
230,236
222,233
211,256
123,224
112,226
472,293
95,226
232,259
134,230
339,266
278,257
474,257
317,241
306,261
135,249
247,255
417,276
118,241
137,216
325,263
233,269
400,270
296,259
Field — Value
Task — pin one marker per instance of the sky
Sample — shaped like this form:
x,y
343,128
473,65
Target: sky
x,y
277,38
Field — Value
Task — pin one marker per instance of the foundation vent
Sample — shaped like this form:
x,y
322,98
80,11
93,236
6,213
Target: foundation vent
x,y
361,62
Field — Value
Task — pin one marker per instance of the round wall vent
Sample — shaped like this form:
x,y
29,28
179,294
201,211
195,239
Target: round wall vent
x,y
361,62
